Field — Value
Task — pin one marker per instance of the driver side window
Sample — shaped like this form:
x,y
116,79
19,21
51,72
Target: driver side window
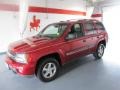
x,y
76,31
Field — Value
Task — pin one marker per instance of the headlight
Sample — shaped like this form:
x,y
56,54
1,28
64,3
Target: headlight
x,y
21,58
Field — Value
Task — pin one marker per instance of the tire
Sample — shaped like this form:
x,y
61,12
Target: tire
x,y
48,69
99,51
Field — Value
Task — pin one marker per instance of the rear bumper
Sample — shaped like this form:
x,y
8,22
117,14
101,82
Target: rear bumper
x,y
18,68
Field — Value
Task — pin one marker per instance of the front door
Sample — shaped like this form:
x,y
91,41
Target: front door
x,y
76,42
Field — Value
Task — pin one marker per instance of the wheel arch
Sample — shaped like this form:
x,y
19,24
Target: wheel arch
x,y
103,42
53,55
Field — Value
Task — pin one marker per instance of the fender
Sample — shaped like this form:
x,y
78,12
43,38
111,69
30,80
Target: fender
x,y
101,39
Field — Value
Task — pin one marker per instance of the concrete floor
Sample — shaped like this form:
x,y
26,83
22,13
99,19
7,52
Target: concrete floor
x,y
83,74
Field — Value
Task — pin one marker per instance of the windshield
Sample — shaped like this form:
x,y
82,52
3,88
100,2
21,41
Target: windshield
x,y
53,31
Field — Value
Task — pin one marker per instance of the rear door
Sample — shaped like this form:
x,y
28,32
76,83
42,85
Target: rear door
x,y
91,35
102,34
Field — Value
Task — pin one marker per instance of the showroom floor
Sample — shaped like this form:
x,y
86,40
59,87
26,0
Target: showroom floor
x,y
83,74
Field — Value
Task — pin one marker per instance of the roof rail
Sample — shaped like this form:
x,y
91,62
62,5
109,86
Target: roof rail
x,y
88,20
72,20
62,21
77,20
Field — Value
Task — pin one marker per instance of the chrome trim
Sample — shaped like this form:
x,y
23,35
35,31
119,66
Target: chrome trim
x,y
49,70
76,51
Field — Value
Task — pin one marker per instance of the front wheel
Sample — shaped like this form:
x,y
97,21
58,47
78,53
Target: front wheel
x,y
48,69
100,51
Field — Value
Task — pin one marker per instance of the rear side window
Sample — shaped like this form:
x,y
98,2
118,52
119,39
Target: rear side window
x,y
89,27
99,26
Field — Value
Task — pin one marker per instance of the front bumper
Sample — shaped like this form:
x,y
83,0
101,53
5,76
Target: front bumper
x,y
21,69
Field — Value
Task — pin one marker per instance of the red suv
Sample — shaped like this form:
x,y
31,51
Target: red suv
x,y
55,45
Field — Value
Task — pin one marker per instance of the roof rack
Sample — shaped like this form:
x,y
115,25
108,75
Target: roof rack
x,y
62,21
77,20
94,20
72,20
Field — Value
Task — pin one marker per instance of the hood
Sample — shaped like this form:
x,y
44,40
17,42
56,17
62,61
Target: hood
x,y
29,44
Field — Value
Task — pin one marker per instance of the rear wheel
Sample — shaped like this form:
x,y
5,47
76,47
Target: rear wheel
x,y
48,69
100,51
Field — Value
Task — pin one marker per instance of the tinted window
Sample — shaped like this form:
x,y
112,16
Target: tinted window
x,y
100,26
89,28
76,27
76,30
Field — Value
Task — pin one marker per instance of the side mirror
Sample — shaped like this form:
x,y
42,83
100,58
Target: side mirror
x,y
70,36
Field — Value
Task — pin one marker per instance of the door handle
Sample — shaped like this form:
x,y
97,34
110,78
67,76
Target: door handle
x,y
84,40
97,36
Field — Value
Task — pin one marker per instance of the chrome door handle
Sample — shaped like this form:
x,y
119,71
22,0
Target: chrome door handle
x,y
84,40
97,36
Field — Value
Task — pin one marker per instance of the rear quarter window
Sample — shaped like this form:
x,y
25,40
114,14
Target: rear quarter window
x,y
99,26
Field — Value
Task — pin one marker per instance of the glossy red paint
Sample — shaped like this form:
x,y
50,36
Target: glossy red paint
x,y
37,47
19,68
